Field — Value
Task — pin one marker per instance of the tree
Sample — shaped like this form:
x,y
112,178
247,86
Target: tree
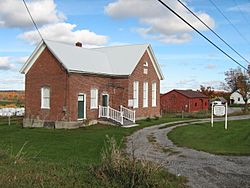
x,y
208,91
239,81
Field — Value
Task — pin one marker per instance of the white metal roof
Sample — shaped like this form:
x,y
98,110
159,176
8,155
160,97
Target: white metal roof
x,y
116,60
123,59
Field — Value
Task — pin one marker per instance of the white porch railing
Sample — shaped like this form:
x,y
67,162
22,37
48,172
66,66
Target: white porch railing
x,y
108,112
128,114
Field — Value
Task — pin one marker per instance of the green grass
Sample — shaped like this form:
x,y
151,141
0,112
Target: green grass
x,y
61,146
83,145
158,121
217,140
58,158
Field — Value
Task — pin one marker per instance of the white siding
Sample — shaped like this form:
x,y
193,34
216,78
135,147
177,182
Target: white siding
x,y
238,99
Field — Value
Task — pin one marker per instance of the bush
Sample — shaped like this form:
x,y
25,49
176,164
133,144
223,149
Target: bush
x,y
117,170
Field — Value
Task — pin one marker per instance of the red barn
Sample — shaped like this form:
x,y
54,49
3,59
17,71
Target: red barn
x,y
183,100
68,86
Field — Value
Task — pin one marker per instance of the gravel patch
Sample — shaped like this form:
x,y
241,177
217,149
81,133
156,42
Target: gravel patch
x,y
202,169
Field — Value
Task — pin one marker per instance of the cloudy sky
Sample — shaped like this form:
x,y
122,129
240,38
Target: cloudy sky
x,y
187,60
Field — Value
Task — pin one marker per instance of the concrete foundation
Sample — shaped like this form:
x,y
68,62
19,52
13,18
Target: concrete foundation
x,y
36,123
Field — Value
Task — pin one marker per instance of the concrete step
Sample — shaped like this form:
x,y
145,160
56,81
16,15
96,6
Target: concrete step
x,y
126,122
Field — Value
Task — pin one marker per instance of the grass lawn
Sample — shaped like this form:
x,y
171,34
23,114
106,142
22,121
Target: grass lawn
x,y
58,158
217,140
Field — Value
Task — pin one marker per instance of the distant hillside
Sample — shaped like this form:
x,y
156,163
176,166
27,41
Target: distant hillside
x,y
11,98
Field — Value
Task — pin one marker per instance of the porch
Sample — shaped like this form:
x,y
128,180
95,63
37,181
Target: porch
x,y
123,116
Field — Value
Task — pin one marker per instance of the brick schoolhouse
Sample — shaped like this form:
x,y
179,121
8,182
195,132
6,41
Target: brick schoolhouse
x,y
69,86
183,100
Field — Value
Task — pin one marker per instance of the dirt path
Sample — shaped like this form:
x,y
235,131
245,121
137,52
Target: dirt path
x,y
202,169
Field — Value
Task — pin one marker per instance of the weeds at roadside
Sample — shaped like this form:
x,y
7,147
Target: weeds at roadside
x,y
118,170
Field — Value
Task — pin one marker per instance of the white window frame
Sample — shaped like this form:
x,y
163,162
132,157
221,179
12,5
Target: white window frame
x,y
43,106
154,86
145,94
136,94
94,98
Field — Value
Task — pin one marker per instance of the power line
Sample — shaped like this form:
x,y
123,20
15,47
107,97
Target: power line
x,y
235,28
212,30
32,19
164,4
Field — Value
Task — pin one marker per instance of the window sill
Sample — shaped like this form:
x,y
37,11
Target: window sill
x,y
43,108
94,108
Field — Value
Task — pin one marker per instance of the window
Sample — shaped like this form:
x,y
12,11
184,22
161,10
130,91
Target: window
x,y
154,94
93,98
145,94
195,104
136,94
238,98
145,64
45,97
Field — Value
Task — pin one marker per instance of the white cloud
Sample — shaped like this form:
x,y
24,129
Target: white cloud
x,y
195,84
5,63
14,14
210,66
242,7
50,21
185,82
15,82
65,32
21,60
157,22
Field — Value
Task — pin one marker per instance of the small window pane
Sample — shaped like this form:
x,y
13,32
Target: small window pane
x,y
80,97
46,92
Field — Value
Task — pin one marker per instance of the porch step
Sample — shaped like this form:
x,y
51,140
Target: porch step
x,y
126,123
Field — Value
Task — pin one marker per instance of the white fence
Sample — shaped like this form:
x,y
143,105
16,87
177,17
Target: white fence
x,y
128,114
11,112
108,112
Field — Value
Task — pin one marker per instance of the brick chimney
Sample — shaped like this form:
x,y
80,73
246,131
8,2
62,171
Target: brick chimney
x,y
79,44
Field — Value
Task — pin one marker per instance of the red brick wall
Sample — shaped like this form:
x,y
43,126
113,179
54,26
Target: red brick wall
x,y
151,77
78,83
176,102
46,71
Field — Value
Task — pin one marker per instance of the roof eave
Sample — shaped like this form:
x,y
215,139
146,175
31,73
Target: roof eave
x,y
96,73
158,68
26,66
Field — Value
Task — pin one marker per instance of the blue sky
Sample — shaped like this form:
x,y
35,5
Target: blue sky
x,y
187,60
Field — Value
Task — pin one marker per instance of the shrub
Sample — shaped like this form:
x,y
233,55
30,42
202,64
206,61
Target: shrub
x,y
117,170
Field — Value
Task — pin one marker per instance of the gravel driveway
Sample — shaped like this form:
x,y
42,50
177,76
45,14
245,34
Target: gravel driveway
x,y
202,169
